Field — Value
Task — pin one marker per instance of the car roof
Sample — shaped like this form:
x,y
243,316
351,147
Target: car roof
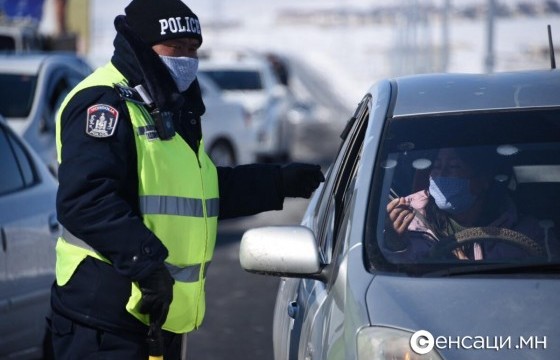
x,y
30,63
442,93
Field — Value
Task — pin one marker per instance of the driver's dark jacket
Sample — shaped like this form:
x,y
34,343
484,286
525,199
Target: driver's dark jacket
x,y
97,201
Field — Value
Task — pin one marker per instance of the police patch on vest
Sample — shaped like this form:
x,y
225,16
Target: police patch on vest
x,y
101,120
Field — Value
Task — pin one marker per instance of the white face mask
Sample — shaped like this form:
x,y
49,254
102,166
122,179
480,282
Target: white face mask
x,y
182,69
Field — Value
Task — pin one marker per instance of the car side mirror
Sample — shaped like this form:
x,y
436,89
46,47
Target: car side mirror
x,y
289,251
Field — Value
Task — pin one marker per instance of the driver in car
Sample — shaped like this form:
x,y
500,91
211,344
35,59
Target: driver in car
x,y
463,208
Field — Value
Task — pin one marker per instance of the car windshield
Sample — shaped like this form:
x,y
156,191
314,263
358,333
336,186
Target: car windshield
x,y
16,94
457,191
236,79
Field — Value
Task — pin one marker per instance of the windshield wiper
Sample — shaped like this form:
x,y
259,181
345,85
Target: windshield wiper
x,y
498,268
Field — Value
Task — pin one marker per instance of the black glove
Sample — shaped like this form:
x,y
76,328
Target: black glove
x,y
300,180
157,293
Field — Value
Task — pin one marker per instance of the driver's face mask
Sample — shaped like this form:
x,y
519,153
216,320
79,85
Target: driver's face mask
x,y
182,69
451,194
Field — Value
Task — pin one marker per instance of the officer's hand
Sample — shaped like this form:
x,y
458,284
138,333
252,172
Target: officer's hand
x,y
300,180
157,293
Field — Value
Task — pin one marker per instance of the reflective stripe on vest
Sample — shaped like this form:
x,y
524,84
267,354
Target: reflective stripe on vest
x,y
187,274
173,205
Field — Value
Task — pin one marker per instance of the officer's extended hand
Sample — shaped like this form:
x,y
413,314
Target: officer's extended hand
x,y
300,180
157,293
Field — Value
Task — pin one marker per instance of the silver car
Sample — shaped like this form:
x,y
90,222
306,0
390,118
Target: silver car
x,y
32,88
435,234
28,233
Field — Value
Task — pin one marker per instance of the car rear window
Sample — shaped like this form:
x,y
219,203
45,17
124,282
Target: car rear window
x,y
236,79
474,188
16,94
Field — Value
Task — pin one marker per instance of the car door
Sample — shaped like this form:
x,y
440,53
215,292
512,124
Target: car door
x,y
28,231
315,300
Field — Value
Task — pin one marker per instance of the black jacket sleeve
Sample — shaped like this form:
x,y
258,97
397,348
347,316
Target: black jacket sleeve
x,y
97,199
249,189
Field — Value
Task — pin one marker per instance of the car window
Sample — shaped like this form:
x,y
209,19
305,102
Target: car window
x,y
11,179
16,166
57,91
26,168
474,188
236,79
59,85
7,42
74,78
16,94
335,193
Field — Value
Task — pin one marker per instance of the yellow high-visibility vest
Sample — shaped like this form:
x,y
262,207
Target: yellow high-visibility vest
x,y
179,201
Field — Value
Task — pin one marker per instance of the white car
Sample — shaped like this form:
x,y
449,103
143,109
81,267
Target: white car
x,y
226,126
32,87
251,81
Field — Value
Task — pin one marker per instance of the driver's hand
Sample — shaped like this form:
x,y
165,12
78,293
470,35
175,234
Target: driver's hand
x,y
400,215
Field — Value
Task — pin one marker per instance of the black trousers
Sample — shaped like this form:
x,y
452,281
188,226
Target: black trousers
x,y
75,341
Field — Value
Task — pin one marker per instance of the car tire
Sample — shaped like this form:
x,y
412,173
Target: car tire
x,y
222,154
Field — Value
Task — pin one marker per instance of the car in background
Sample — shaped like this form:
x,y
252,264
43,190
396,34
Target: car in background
x,y
32,87
19,36
252,81
227,127
28,233
347,291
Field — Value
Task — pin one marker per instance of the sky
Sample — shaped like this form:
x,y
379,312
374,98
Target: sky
x,y
353,56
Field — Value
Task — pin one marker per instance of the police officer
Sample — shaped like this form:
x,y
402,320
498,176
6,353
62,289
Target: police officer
x,y
139,198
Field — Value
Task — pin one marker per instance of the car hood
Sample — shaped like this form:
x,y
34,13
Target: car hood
x,y
459,306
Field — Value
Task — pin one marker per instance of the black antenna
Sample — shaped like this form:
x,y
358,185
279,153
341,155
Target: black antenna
x,y
551,49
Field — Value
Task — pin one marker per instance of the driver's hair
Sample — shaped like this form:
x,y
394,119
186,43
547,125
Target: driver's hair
x,y
482,160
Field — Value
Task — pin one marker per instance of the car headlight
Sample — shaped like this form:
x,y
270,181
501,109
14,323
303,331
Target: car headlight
x,y
381,343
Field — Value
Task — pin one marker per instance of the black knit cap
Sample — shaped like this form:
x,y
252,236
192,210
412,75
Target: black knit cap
x,y
159,20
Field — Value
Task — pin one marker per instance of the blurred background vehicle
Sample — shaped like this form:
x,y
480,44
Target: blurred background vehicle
x,y
28,233
32,87
335,49
251,80
348,292
19,36
227,127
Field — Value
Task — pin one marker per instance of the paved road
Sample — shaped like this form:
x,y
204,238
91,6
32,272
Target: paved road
x,y
238,322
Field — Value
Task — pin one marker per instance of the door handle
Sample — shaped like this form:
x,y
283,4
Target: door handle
x,y
293,309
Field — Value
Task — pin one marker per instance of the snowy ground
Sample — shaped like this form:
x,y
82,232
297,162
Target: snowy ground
x,y
350,57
